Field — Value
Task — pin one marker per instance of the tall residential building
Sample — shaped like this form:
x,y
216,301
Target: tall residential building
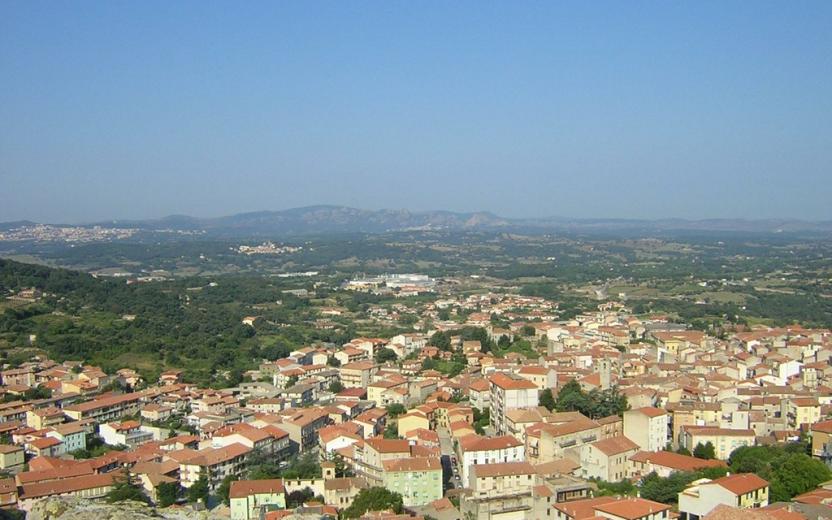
x,y
509,392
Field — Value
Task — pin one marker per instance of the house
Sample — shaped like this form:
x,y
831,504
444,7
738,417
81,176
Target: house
x,y
127,433
250,499
72,435
370,457
417,479
357,374
647,427
663,463
156,412
607,459
11,458
86,486
479,394
612,508
214,464
41,418
106,408
821,433
744,490
502,490
725,440
474,449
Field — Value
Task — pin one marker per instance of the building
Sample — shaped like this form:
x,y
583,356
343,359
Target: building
x,y
358,374
105,409
86,486
647,427
11,458
214,464
418,480
250,499
502,490
127,433
744,490
663,463
607,459
821,433
612,508
474,449
509,393
725,440
371,456
41,418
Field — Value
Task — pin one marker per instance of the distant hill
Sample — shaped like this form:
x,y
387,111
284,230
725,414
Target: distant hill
x,y
339,219
324,219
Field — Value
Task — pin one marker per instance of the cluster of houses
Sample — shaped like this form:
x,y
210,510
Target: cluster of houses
x,y
405,426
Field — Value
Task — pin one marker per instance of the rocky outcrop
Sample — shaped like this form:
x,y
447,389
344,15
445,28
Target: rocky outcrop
x,y
70,508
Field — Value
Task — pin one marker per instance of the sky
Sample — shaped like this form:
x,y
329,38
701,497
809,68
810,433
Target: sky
x,y
117,110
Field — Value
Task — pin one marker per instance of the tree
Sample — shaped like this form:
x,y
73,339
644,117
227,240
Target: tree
x,y
342,469
299,497
292,381
333,361
787,468
481,420
225,488
683,451
394,410
384,355
704,451
595,404
125,489
303,466
374,499
198,490
571,398
547,400
391,431
167,493
440,340
336,387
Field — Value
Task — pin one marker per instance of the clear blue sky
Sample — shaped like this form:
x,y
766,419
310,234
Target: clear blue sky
x,y
590,109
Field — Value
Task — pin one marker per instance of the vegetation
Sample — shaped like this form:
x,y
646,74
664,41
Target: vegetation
x,y
595,404
125,489
705,451
198,491
374,499
787,468
302,466
666,490
224,489
481,420
167,493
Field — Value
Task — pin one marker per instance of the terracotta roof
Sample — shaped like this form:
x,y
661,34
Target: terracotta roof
x,y
741,483
510,383
502,469
412,464
383,445
244,488
477,443
615,445
631,508
675,461
651,411
57,487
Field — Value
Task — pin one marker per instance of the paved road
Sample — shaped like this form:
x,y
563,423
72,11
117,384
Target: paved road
x,y
447,447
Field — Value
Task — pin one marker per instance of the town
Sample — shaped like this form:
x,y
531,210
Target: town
x,y
493,407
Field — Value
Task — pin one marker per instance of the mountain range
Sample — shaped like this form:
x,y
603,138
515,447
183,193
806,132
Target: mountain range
x,y
340,219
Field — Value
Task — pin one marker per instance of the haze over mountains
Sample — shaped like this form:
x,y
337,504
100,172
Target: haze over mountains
x,y
340,219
